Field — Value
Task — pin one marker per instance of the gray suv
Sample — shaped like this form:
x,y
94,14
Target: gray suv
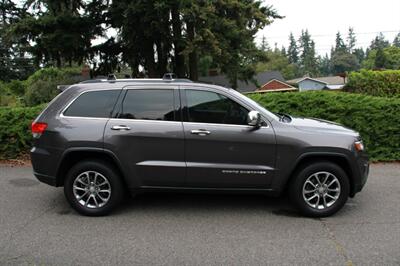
x,y
103,138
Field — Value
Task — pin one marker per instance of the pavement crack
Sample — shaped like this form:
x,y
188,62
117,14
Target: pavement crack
x,y
340,249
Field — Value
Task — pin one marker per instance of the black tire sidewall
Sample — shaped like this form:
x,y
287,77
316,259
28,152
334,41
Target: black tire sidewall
x,y
296,188
108,172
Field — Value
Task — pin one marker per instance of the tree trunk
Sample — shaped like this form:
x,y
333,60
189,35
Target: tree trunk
x,y
193,70
150,64
179,62
162,58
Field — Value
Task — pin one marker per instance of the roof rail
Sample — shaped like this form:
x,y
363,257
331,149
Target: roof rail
x,y
170,76
138,80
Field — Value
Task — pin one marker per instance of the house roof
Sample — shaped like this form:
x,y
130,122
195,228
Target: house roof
x,y
281,82
261,78
332,80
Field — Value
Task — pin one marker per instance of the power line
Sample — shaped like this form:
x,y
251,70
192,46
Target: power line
x,y
332,35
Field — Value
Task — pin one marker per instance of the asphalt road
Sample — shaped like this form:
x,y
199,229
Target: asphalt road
x,y
37,226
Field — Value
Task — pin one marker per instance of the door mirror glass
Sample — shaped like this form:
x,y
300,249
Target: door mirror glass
x,y
254,118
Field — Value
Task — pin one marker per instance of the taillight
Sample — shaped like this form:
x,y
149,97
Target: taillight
x,y
38,128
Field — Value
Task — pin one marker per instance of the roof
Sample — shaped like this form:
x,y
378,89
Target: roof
x,y
261,78
331,80
288,86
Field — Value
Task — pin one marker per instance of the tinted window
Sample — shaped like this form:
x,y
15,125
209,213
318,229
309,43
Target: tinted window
x,y
93,104
151,104
211,107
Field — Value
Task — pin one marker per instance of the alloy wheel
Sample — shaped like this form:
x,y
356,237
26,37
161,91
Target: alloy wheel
x,y
321,190
91,189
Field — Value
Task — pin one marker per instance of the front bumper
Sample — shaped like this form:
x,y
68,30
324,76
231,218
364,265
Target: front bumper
x,y
360,173
50,180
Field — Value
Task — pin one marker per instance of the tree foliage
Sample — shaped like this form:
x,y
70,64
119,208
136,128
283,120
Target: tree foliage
x,y
166,36
376,118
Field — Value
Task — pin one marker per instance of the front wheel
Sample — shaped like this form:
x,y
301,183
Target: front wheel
x,y
93,188
320,189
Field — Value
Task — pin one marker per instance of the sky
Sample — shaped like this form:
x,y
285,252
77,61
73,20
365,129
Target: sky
x,y
324,18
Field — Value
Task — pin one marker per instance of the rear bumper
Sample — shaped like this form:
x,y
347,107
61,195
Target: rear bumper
x,y
44,165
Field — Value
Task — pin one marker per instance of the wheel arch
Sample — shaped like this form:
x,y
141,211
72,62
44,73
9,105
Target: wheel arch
x,y
337,158
75,155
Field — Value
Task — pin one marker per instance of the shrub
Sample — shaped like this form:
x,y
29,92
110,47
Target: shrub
x,y
377,83
15,135
6,97
376,118
42,85
16,87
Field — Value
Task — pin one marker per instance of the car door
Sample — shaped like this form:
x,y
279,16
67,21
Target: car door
x,y
146,134
221,150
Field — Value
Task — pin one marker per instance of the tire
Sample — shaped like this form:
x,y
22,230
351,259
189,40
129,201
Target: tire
x,y
308,195
93,188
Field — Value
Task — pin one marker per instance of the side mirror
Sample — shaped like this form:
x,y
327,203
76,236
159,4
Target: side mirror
x,y
254,118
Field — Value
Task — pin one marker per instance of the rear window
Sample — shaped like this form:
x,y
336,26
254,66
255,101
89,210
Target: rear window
x,y
93,104
149,104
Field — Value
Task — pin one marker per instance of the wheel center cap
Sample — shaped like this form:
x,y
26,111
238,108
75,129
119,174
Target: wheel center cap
x,y
92,189
321,190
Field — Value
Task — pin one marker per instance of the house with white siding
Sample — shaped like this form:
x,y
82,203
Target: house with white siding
x,y
321,83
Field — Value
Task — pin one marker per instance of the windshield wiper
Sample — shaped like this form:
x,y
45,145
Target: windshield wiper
x,y
284,117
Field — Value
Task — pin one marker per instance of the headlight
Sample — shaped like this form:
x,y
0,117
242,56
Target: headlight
x,y
358,145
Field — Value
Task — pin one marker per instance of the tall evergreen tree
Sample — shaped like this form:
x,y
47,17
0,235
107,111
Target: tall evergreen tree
x,y
14,64
379,42
351,40
264,46
339,43
324,65
308,60
60,31
293,53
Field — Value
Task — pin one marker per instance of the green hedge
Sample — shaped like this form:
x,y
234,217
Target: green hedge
x,y
376,118
376,83
15,134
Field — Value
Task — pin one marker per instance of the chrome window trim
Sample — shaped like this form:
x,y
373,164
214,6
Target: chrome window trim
x,y
222,125
74,99
144,120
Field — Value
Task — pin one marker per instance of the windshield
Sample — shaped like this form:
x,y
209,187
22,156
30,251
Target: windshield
x,y
272,115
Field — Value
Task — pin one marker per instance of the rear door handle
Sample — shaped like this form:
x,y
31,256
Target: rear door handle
x,y
120,127
200,132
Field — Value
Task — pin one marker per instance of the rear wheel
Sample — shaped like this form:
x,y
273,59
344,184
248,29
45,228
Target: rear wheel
x,y
320,189
93,188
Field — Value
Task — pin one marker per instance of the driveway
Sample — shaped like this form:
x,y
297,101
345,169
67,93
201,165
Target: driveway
x,y
37,226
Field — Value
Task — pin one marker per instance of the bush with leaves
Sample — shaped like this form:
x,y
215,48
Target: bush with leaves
x,y
377,83
15,135
7,98
376,118
42,85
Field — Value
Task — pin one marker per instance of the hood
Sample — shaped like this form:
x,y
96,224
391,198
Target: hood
x,y
320,125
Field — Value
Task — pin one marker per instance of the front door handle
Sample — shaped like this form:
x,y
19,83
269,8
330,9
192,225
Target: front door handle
x,y
200,132
120,127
